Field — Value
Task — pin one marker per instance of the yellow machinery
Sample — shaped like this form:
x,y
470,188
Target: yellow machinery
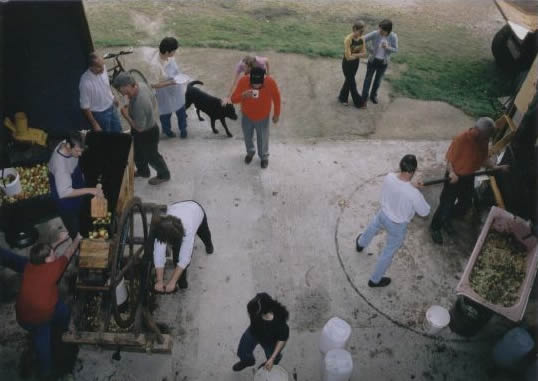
x,y
20,131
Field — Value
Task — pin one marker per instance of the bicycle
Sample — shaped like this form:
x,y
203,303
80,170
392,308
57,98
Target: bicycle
x,y
119,68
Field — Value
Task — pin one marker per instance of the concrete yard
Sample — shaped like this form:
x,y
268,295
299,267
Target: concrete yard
x,y
289,230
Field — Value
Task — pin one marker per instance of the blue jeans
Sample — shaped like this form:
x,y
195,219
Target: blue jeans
x,y
248,343
395,237
108,119
181,121
12,261
41,336
378,67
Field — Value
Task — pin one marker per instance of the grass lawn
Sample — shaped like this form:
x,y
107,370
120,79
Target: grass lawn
x,y
435,62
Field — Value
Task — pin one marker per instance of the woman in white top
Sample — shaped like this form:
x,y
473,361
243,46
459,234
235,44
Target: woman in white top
x,y
170,94
183,221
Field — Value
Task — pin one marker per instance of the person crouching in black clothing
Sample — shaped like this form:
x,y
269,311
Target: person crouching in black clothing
x,y
268,327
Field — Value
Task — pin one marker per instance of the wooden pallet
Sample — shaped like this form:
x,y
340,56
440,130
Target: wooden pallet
x,y
127,184
142,342
94,254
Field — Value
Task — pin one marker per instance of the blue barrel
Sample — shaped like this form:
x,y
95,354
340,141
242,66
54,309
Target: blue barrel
x,y
512,348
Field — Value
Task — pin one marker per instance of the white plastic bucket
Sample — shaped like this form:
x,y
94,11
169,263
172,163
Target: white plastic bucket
x,y
334,335
121,293
13,188
436,319
277,373
337,365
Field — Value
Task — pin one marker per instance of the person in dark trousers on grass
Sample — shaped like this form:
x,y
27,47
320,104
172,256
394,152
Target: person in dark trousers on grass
x,y
400,200
183,221
38,306
268,327
466,154
141,114
354,49
381,44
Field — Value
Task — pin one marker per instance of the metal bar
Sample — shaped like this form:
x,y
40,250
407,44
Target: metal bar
x,y
92,288
132,261
477,173
148,319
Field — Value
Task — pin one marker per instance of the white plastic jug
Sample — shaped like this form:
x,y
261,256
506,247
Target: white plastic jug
x,y
277,373
338,365
121,293
436,319
334,335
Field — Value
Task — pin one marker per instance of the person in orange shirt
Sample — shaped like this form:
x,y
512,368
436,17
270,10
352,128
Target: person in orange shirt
x,y
257,93
38,306
466,154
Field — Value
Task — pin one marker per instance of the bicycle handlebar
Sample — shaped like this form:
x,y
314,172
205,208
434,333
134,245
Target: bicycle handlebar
x,y
114,55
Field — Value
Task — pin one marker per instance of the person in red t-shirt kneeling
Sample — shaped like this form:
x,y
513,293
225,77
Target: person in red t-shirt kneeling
x,y
38,305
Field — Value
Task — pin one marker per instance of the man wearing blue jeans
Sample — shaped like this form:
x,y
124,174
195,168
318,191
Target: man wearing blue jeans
x,y
400,200
96,99
380,45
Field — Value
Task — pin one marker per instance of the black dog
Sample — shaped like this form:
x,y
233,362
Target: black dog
x,y
209,104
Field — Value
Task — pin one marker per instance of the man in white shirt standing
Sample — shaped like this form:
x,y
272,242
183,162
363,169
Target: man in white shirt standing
x,y
183,221
400,200
96,99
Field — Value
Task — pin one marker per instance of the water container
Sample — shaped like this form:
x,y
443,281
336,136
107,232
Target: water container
x,y
277,373
121,293
337,365
468,317
512,348
436,319
335,335
532,371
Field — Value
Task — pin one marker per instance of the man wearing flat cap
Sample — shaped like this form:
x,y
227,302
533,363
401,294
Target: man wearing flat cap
x,y
256,93
141,113
466,154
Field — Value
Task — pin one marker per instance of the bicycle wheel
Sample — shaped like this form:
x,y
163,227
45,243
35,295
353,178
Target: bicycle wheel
x,y
138,76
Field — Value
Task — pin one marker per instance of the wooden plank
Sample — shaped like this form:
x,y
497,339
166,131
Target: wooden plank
x,y
528,88
496,192
126,341
94,254
522,12
127,184
508,134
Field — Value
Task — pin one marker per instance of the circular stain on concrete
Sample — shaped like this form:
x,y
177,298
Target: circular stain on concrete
x,y
423,274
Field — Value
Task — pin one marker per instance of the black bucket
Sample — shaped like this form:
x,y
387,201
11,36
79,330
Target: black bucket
x,y
468,317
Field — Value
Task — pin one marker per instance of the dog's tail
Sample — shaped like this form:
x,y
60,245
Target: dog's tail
x,y
191,84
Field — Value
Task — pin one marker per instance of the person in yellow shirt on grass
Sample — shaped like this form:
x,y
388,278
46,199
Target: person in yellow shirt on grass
x,y
354,50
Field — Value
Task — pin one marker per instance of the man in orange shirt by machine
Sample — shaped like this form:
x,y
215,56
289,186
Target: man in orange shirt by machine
x,y
466,154
256,93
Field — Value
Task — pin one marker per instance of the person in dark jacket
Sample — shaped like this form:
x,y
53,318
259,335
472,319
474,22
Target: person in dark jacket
x,y
268,327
